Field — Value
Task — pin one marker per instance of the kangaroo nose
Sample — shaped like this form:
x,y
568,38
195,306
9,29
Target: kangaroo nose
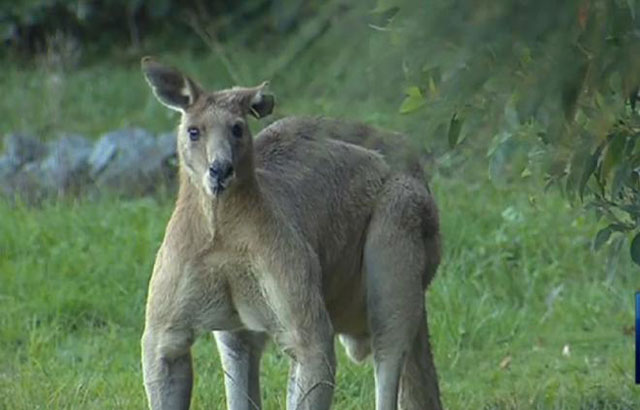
x,y
220,170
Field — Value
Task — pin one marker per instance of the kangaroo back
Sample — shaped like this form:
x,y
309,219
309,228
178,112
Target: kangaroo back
x,y
394,146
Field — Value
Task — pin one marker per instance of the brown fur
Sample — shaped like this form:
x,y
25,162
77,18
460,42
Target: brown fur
x,y
309,237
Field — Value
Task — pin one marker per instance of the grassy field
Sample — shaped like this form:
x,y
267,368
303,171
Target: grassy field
x,y
519,284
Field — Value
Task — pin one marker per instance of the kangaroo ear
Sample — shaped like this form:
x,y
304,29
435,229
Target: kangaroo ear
x,y
169,85
261,103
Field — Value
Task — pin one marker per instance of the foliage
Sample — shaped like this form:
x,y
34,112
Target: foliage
x,y
553,83
100,24
614,173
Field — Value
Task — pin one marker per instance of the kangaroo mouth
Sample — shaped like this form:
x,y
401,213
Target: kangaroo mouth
x,y
216,186
219,186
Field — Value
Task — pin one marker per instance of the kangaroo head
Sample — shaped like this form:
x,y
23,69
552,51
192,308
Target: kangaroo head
x,y
214,141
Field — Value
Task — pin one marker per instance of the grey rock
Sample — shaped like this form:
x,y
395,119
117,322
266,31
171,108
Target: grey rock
x,y
7,170
18,164
168,145
65,170
20,149
128,162
169,152
7,167
27,184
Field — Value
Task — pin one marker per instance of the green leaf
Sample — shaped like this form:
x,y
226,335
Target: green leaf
x,y
382,17
413,101
589,169
511,115
635,249
385,5
500,156
632,8
455,126
620,179
612,155
602,237
581,158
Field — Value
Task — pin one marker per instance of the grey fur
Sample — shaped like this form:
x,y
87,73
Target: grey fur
x,y
310,237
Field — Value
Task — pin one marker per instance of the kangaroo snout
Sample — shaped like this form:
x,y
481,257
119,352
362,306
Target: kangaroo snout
x,y
221,170
220,174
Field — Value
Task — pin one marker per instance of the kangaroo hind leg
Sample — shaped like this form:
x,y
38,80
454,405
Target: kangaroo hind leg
x,y
240,354
397,262
419,381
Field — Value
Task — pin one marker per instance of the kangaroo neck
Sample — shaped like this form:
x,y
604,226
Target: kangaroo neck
x,y
240,205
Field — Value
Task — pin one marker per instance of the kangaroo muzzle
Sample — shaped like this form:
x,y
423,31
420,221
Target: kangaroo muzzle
x,y
220,174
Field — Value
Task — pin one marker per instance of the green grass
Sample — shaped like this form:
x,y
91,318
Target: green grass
x,y
74,278
518,281
94,99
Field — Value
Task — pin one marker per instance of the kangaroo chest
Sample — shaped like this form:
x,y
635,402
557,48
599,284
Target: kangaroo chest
x,y
251,301
246,296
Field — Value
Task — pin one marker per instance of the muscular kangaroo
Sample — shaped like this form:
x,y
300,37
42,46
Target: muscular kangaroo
x,y
296,236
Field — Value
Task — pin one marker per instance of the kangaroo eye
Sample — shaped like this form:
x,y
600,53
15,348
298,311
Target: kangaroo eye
x,y
236,130
194,133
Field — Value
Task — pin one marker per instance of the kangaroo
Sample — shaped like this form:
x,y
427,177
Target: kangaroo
x,y
295,236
